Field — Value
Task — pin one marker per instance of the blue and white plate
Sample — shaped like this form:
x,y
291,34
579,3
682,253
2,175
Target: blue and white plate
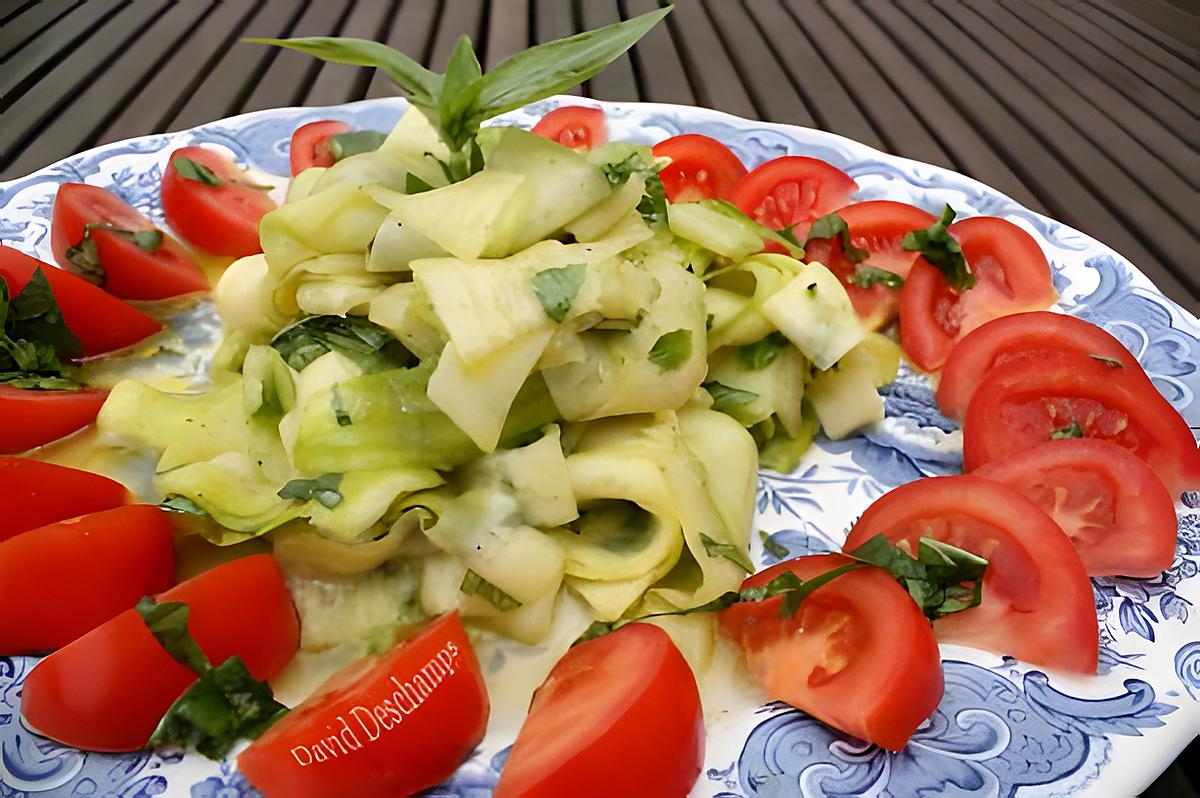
x,y
1003,728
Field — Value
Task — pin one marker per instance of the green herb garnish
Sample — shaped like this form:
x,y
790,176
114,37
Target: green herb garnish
x,y
867,275
834,226
475,585
942,579
1072,430
725,396
323,489
653,206
671,350
182,505
715,548
33,333
556,289
366,343
772,546
938,247
762,353
195,171
85,257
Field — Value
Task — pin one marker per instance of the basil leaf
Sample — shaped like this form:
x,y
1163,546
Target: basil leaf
x,y
370,346
1108,361
671,350
867,275
475,585
942,579
84,257
323,489
793,597
556,289
762,353
772,546
168,622
734,554
37,382
32,334
227,704
653,205
355,142
460,86
1072,430
834,226
195,171
619,173
183,505
938,247
724,396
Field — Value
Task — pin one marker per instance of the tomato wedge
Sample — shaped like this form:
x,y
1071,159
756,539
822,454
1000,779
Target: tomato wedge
x,y
1009,337
101,322
310,144
390,725
109,689
29,418
34,493
792,190
618,715
1026,401
700,168
576,126
867,662
118,264
878,227
60,581
1037,600
221,218
1012,274
1112,505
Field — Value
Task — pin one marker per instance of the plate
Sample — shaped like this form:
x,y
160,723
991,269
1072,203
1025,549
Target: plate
x,y
1003,728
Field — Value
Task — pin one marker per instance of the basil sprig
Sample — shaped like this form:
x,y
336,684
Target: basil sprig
x,y
834,226
33,334
370,346
322,489
458,101
556,289
84,257
941,249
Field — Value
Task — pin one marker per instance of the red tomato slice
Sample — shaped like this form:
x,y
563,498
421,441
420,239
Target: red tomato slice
x,y
792,190
390,725
877,226
576,126
60,581
618,715
1113,506
1012,274
310,144
29,419
1023,402
33,494
867,662
701,168
220,219
1037,599
100,321
109,689
130,272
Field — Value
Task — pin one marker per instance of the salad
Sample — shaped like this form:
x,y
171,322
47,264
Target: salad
x,y
479,383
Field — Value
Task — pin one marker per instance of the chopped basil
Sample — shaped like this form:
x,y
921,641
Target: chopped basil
x,y
355,142
671,350
1072,430
37,382
619,173
734,554
85,257
323,489
772,546
475,585
182,504
339,410
33,333
724,396
195,171
942,579
556,289
867,275
1108,361
762,353
653,206
940,249
366,343
834,226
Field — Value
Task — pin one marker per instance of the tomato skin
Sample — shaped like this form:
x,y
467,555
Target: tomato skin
x,y
877,226
1012,274
1037,599
579,127
618,715
310,144
34,493
1009,412
1112,505
1017,335
29,419
108,690
129,271
891,679
701,168
220,219
60,581
378,749
100,321
792,190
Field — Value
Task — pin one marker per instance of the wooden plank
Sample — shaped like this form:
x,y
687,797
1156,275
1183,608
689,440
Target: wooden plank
x,y
965,144
714,78
662,78
1189,55
1167,17
14,9
553,19
31,21
412,34
79,125
508,31
43,53
458,17
1120,77
233,76
339,83
174,82
617,81
1145,47
71,74
1065,197
1153,134
291,74
774,93
831,105
1117,157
